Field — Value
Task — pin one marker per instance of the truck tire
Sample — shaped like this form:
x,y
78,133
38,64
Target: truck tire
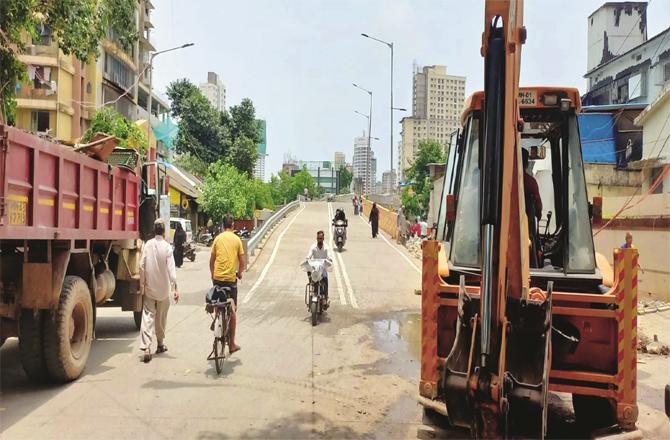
x,y
68,333
31,345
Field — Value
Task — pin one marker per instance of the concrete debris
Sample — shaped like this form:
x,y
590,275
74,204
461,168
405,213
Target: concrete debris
x,y
645,307
646,345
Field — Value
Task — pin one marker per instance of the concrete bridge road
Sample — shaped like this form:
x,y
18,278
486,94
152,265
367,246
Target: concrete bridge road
x,y
353,375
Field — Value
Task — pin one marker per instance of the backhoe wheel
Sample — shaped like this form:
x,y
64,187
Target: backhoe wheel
x,y
31,345
593,412
137,316
68,333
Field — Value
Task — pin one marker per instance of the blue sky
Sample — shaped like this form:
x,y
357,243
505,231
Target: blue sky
x,y
297,59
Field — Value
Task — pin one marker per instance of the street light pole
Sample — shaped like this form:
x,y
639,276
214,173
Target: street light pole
x,y
368,161
390,46
150,104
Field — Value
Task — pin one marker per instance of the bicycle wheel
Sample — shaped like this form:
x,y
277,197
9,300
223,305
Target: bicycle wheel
x,y
219,348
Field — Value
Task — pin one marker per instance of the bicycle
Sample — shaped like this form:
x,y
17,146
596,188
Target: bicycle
x,y
220,312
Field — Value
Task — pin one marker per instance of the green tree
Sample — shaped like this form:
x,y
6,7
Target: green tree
x,y
418,195
109,121
191,164
77,26
300,181
226,190
242,154
280,188
242,121
201,132
345,179
262,195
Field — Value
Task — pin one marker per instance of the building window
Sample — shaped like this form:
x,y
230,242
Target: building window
x,y
655,172
666,72
40,121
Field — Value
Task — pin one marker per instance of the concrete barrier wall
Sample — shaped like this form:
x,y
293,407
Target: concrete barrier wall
x,y
388,220
653,245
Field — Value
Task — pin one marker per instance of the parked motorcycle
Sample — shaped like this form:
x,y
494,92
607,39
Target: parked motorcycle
x,y
315,297
243,233
340,233
205,238
189,250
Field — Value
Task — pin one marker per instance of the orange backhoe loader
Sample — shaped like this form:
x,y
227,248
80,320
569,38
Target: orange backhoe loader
x,y
515,301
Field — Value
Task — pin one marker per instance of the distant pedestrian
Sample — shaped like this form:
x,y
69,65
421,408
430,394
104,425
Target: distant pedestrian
x,y
354,201
178,240
416,228
305,191
374,220
424,228
628,244
400,226
157,278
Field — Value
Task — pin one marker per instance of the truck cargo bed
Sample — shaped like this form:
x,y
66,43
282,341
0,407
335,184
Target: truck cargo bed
x,y
49,191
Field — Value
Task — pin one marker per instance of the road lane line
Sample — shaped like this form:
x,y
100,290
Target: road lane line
x,y
260,279
338,278
395,249
347,281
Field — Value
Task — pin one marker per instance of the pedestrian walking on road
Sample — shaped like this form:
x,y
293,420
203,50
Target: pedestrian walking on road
x,y
158,278
354,200
374,220
178,241
226,265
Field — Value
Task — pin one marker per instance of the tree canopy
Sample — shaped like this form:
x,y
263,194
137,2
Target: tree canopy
x,y
416,198
345,179
208,135
77,26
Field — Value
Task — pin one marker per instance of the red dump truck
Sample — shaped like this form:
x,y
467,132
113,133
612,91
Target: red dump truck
x,y
69,229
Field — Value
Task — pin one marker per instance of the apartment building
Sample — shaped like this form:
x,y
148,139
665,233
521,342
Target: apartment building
x,y
436,106
362,163
215,91
62,93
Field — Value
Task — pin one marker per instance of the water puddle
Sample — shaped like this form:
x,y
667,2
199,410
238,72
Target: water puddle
x,y
400,337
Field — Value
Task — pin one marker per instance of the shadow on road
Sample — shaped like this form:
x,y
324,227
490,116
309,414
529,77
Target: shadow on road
x,y
20,396
304,424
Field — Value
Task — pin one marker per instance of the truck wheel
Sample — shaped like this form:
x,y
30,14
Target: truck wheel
x,y
31,346
69,332
593,412
137,316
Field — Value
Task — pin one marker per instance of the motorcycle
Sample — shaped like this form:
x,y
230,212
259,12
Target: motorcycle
x,y
340,235
315,297
206,239
189,250
243,233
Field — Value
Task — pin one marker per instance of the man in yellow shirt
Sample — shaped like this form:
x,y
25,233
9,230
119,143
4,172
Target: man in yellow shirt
x,y
226,265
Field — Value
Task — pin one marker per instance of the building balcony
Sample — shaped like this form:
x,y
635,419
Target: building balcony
x,y
31,93
42,50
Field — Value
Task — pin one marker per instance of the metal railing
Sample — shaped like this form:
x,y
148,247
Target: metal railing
x,y
268,225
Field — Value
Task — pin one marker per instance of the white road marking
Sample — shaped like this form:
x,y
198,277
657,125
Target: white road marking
x,y
347,281
395,249
338,278
260,279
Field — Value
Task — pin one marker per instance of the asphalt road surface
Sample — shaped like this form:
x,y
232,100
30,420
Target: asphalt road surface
x,y
354,375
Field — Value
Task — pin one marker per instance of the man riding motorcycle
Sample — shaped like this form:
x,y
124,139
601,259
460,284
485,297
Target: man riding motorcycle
x,y
340,216
319,251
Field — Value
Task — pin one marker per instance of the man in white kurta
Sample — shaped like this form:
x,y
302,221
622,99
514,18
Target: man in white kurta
x,y
158,277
